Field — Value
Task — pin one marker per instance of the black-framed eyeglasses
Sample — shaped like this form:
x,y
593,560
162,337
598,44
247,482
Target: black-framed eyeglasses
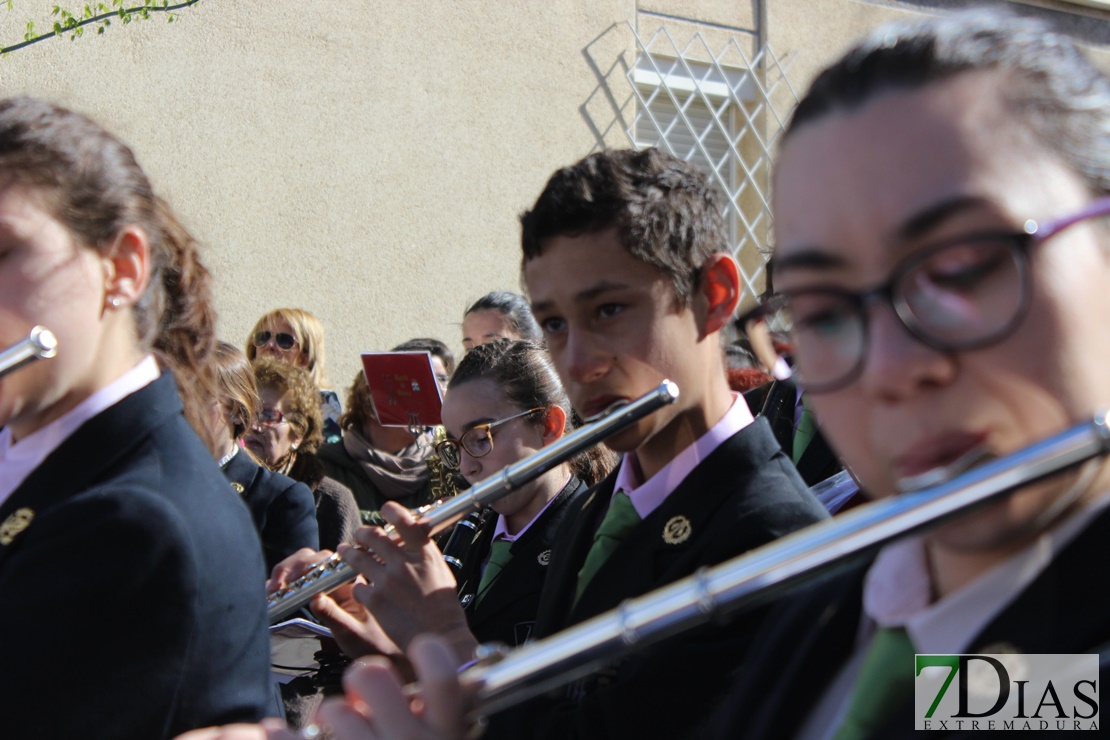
x,y
283,340
477,441
961,294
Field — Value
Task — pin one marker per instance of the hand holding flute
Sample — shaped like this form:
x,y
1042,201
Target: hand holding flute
x,y
403,586
332,572
355,630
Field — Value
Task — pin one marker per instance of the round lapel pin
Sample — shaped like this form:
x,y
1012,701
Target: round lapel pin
x,y
677,530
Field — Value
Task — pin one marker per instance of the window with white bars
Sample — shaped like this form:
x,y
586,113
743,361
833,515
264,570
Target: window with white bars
x,y
693,118
722,109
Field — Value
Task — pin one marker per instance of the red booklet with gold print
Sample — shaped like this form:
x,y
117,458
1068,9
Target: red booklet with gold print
x,y
403,388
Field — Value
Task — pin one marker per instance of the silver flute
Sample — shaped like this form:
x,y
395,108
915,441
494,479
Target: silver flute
x,y
40,344
435,518
505,679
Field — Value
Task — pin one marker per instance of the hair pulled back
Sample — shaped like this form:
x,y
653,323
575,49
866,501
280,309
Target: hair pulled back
x,y
514,308
1051,89
525,374
93,185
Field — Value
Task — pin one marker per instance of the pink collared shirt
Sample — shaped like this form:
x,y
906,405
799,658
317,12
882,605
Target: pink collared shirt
x,y
501,531
19,460
647,496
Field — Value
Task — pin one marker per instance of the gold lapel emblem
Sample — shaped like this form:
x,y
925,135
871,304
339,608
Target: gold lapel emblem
x,y
677,530
14,524
238,487
544,557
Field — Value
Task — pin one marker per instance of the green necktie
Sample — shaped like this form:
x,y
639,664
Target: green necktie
x,y
885,680
807,427
619,521
499,556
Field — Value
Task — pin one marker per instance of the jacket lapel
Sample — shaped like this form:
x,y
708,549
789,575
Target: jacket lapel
x,y
668,536
95,447
575,539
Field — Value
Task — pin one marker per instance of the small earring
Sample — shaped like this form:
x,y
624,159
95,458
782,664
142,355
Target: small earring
x,y
115,301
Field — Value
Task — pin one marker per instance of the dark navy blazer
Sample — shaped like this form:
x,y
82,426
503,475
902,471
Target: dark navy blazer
x,y
283,510
743,495
810,636
131,585
507,613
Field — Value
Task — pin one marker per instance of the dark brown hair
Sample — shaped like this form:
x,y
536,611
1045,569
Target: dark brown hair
x,y
94,186
303,401
514,308
1051,89
524,371
359,406
663,208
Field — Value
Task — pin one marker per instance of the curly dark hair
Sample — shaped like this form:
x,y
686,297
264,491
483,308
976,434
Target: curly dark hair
x,y
303,398
664,209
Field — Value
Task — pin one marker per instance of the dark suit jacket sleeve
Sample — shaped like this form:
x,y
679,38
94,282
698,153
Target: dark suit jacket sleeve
x,y
290,524
108,580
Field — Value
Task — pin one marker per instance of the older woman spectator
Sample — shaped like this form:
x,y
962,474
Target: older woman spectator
x,y
285,437
283,509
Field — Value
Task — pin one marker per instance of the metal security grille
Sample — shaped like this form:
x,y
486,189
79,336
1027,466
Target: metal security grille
x,y
724,111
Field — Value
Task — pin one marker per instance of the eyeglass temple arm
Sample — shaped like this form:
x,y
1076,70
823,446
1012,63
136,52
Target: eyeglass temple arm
x,y
1094,209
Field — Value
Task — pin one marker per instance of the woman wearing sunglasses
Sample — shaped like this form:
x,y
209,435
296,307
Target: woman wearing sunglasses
x,y
296,336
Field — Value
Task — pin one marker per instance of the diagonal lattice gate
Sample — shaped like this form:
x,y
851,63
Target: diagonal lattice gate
x,y
723,110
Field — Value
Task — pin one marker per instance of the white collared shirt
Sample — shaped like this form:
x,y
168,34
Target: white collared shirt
x,y
19,460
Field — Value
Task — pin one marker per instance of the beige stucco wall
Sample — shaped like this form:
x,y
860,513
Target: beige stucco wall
x,y
367,160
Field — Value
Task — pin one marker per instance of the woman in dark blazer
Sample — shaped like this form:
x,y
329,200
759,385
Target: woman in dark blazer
x,y
130,576
283,509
